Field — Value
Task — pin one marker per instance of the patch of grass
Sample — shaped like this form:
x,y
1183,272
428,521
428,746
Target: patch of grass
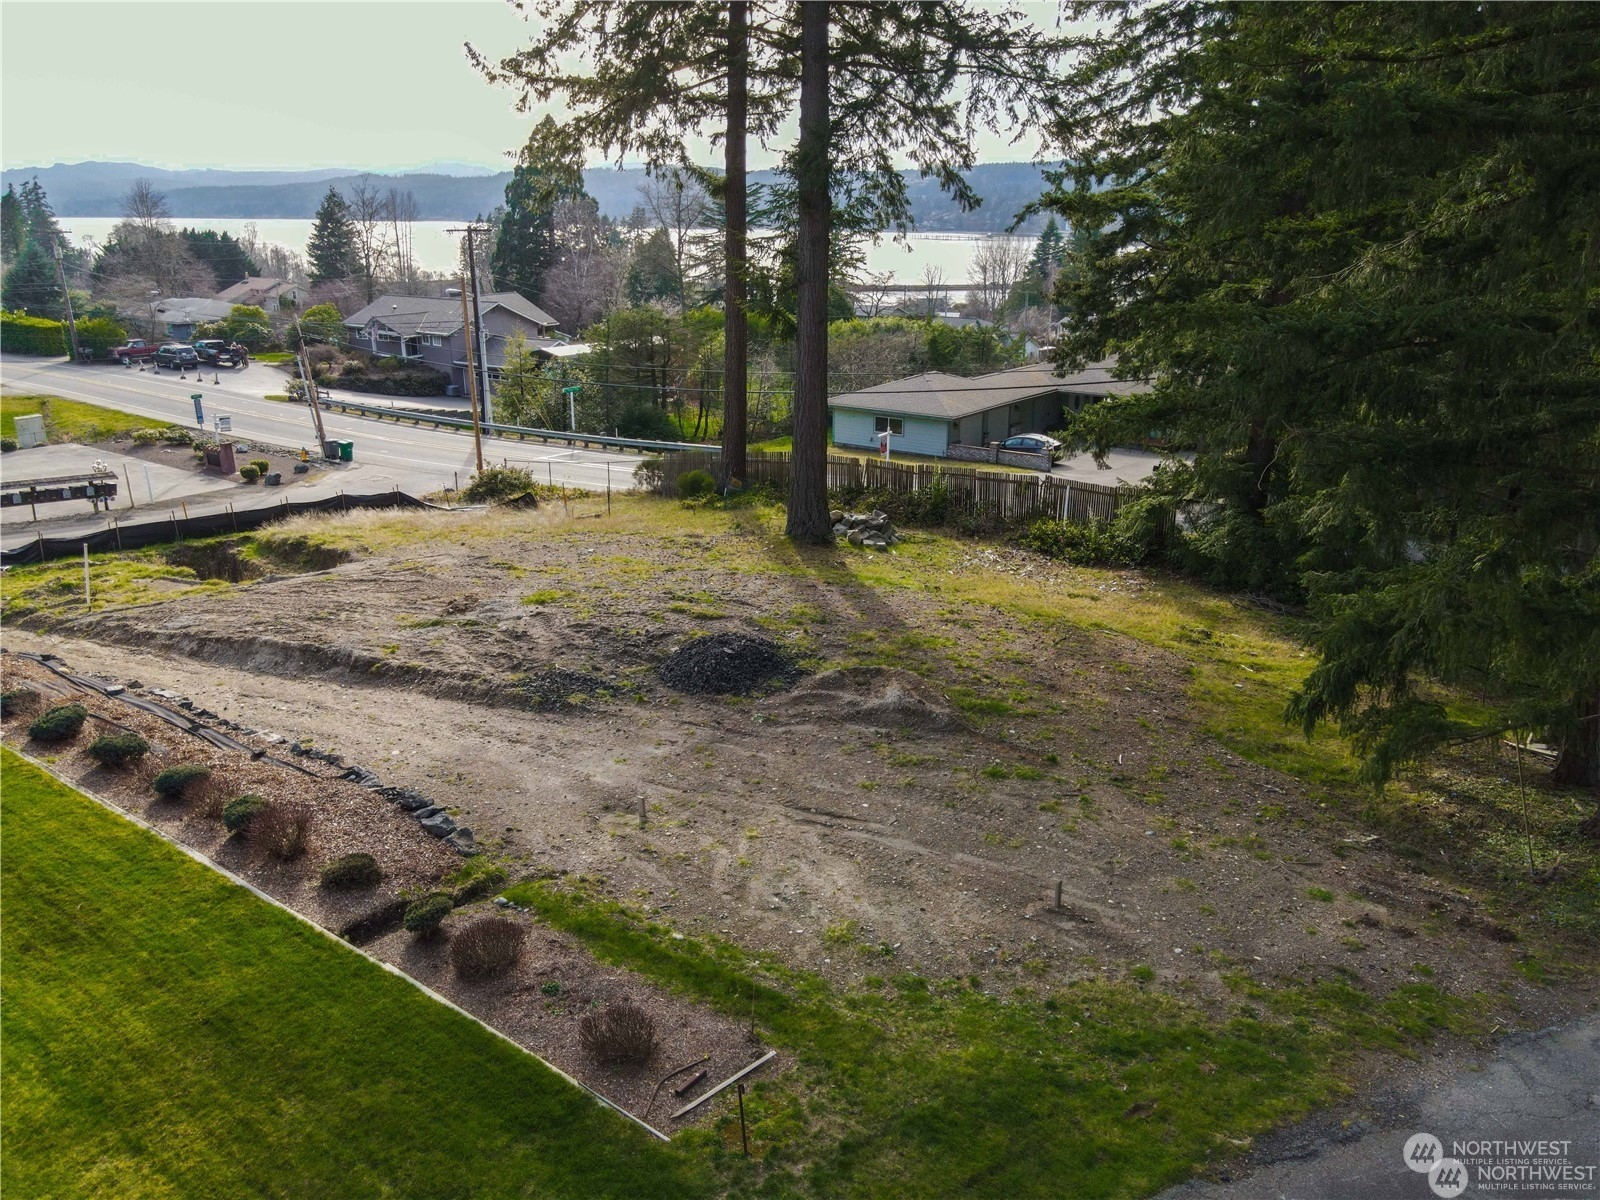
x,y
935,1088
168,1034
73,420
546,596
1319,893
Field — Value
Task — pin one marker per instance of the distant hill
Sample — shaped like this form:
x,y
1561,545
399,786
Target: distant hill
x,y
94,189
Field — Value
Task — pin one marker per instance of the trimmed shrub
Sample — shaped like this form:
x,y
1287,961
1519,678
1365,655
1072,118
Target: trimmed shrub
x,y
261,465
172,783
118,749
100,336
22,334
351,871
249,473
281,828
694,484
58,724
489,946
19,702
237,814
424,916
622,1033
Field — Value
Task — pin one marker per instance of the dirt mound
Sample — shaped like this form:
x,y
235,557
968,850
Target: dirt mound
x,y
881,697
726,664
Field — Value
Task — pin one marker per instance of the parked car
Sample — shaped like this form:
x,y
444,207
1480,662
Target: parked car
x,y
177,356
136,348
1034,443
217,352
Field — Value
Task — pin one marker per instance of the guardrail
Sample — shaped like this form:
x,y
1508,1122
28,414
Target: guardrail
x,y
522,432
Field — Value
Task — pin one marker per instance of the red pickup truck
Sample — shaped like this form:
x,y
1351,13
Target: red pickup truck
x,y
136,348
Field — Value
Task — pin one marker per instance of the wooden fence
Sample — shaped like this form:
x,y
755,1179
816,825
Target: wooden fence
x,y
995,494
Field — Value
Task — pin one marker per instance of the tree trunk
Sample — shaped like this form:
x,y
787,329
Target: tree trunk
x,y
808,482
735,321
1578,764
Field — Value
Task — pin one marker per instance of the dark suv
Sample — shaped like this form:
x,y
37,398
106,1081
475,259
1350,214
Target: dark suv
x,y
217,352
176,355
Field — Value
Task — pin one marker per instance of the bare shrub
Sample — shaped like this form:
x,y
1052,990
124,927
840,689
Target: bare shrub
x,y
280,828
212,793
622,1033
487,947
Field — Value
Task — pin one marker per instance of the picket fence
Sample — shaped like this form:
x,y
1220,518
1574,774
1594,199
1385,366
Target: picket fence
x,y
995,494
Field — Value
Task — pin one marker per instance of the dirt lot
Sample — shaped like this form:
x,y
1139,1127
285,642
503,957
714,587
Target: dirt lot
x,y
911,805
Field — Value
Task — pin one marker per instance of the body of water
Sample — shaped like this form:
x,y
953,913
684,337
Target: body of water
x,y
436,250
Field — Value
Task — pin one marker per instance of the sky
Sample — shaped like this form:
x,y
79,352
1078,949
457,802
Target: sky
x,y
378,85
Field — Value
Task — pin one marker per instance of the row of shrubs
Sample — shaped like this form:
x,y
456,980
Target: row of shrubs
x,y
486,947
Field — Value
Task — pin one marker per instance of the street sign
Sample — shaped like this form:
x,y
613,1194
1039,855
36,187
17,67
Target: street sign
x,y
224,424
199,413
573,390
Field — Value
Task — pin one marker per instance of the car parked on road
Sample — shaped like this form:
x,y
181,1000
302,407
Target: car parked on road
x,y
216,352
177,356
1034,443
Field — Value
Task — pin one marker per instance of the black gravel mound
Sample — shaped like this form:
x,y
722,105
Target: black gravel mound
x,y
555,688
726,664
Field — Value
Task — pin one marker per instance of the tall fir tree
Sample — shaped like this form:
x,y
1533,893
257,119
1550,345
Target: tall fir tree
x,y
12,227
1354,248
331,252
525,239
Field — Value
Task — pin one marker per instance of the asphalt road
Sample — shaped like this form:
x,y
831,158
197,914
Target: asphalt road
x,y
414,459
1523,1123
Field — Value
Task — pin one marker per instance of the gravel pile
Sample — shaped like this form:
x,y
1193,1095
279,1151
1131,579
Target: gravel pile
x,y
554,688
726,664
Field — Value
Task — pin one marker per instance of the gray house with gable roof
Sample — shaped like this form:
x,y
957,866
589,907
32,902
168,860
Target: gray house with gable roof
x,y
929,413
430,330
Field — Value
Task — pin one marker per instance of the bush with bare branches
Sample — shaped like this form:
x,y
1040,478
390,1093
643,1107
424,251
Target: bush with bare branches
x,y
280,828
489,946
621,1033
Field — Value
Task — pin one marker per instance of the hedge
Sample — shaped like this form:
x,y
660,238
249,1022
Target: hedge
x,y
22,334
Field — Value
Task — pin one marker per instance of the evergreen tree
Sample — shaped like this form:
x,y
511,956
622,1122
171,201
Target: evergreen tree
x,y
12,227
331,252
525,237
1048,252
653,273
221,254
1354,248
892,79
523,394
30,285
662,72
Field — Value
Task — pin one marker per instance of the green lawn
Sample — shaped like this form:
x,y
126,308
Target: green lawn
x,y
272,356
72,420
168,1034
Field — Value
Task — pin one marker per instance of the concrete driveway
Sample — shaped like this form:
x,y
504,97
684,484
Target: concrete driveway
x,y
1122,466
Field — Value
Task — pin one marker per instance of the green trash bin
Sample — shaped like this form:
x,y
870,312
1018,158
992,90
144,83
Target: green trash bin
x,y
347,451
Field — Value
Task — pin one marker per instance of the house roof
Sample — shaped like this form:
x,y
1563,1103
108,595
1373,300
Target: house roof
x,y
411,315
951,397
192,310
252,285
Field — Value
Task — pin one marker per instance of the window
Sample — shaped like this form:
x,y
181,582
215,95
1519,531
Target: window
x,y
892,425
435,340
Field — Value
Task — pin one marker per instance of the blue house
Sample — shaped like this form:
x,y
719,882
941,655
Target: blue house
x,y
927,414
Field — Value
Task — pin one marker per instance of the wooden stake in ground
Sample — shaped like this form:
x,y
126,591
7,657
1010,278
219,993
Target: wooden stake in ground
x,y
744,1134
86,603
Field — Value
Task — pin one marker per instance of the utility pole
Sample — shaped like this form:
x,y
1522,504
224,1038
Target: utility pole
x,y
472,377
310,385
61,278
475,333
